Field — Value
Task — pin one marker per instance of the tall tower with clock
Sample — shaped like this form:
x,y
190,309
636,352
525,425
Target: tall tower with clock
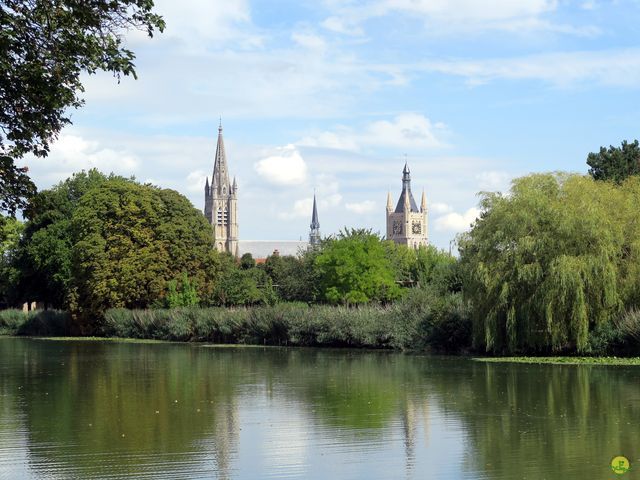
x,y
221,202
407,224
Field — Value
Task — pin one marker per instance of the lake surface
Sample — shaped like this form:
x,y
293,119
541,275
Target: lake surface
x,y
84,410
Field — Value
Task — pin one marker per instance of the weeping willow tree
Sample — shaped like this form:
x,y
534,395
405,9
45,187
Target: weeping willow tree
x,y
548,262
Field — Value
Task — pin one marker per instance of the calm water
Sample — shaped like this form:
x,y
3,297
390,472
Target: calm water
x,y
114,410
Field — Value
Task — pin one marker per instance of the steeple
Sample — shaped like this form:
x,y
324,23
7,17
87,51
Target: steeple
x,y
389,203
221,202
220,176
423,203
314,232
406,202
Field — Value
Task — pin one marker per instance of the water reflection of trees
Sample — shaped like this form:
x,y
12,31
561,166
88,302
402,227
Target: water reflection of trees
x,y
179,406
535,421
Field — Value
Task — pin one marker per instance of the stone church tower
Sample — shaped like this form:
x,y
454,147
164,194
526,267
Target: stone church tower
x,y
221,203
407,225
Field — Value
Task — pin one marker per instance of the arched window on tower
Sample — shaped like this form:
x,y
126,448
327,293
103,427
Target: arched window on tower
x,y
219,216
225,216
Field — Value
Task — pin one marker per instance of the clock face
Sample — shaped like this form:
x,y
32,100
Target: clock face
x,y
416,227
397,227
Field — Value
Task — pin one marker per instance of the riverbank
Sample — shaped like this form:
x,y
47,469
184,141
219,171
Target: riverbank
x,y
562,360
413,324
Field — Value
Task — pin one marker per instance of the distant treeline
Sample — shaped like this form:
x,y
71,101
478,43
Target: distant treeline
x,y
551,266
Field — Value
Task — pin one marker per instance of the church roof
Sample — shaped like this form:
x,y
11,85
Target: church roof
x,y
265,248
406,192
412,203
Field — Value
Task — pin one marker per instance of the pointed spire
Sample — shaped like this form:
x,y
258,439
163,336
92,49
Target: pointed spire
x,y
314,215
220,176
389,202
423,203
206,185
314,232
406,202
235,184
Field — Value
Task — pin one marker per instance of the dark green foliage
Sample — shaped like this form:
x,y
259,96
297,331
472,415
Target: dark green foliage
x,y
16,188
39,322
294,279
10,232
426,318
615,163
45,47
247,261
129,240
43,257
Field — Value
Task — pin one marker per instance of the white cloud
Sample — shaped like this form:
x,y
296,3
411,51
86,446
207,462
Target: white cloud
x,y
73,153
493,180
405,131
440,208
287,167
616,67
197,23
457,222
360,208
452,16
310,41
196,181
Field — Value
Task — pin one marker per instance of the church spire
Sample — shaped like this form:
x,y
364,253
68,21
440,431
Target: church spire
x,y
423,203
406,202
220,176
314,233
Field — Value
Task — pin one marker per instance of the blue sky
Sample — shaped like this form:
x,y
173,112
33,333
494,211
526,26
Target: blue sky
x,y
331,94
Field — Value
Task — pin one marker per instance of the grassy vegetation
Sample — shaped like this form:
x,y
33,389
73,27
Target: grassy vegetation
x,y
563,360
422,320
39,322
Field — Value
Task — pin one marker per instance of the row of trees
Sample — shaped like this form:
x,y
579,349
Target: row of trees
x,y
95,242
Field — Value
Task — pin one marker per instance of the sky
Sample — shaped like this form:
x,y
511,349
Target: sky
x,y
333,96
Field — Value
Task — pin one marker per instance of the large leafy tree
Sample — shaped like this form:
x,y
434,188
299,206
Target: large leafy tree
x,y
45,46
129,241
44,254
548,263
355,268
615,163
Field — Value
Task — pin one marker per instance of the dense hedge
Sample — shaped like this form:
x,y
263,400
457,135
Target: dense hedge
x,y
422,320
39,322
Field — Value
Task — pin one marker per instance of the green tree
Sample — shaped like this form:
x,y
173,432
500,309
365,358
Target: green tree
x,y
615,163
295,279
355,268
182,294
247,262
45,47
10,233
545,265
129,240
44,255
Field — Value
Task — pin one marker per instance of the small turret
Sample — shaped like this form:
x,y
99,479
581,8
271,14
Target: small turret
x,y
423,203
389,203
206,188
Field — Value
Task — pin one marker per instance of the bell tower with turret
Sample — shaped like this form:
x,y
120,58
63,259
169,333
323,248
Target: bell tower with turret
x,y
407,224
221,202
